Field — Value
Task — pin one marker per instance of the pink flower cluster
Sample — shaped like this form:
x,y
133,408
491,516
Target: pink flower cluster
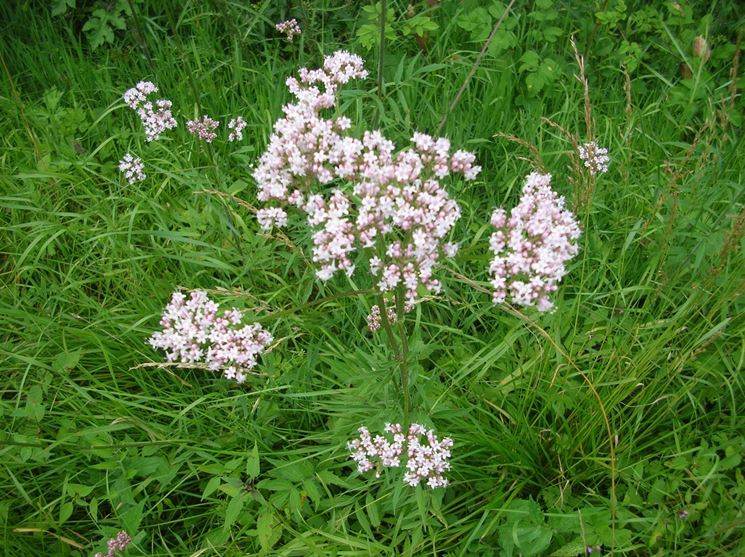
x,y
132,168
194,333
426,461
373,320
290,28
155,118
119,543
203,128
596,158
379,197
236,126
532,247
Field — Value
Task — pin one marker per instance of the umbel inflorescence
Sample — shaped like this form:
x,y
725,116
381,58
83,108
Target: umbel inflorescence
x,y
194,332
156,117
117,543
425,457
359,193
532,246
595,158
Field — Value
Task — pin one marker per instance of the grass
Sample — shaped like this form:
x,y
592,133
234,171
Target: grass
x,y
597,424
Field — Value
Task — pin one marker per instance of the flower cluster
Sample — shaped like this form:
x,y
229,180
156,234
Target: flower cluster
x,y
270,217
381,197
290,28
118,543
426,460
373,320
156,118
132,168
194,333
596,158
532,246
236,126
203,128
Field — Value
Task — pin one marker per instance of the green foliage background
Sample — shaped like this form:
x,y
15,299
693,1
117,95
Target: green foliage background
x,y
597,424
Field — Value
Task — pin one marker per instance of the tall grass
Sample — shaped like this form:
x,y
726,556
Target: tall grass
x,y
620,410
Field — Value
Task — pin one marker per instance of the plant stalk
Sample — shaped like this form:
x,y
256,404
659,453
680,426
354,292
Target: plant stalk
x,y
381,50
399,354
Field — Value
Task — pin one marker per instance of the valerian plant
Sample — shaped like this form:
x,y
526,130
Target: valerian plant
x,y
373,209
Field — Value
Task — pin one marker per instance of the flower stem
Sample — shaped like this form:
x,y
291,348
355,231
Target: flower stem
x,y
398,354
404,361
381,50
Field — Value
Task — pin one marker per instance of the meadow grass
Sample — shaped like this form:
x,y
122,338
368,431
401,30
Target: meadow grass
x,y
614,420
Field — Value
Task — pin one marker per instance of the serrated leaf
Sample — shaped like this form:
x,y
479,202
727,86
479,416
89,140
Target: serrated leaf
x,y
235,506
60,7
571,549
529,61
264,529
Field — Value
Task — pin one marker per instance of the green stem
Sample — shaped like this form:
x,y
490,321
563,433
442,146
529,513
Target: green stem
x,y
400,354
404,363
381,50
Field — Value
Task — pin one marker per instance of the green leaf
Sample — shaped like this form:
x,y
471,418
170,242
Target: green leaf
x,y
253,464
373,510
78,490
529,61
66,360
235,506
477,22
571,549
60,7
264,529
64,512
731,460
211,486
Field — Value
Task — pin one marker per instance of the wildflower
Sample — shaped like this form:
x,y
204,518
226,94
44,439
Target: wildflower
x,y
236,125
204,128
194,333
270,217
132,168
290,28
373,319
377,193
426,459
683,514
118,543
532,246
596,158
156,118
137,95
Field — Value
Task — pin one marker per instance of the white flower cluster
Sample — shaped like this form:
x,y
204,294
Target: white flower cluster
x,y
290,28
194,333
155,118
236,126
596,158
390,198
132,168
532,247
203,128
426,460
